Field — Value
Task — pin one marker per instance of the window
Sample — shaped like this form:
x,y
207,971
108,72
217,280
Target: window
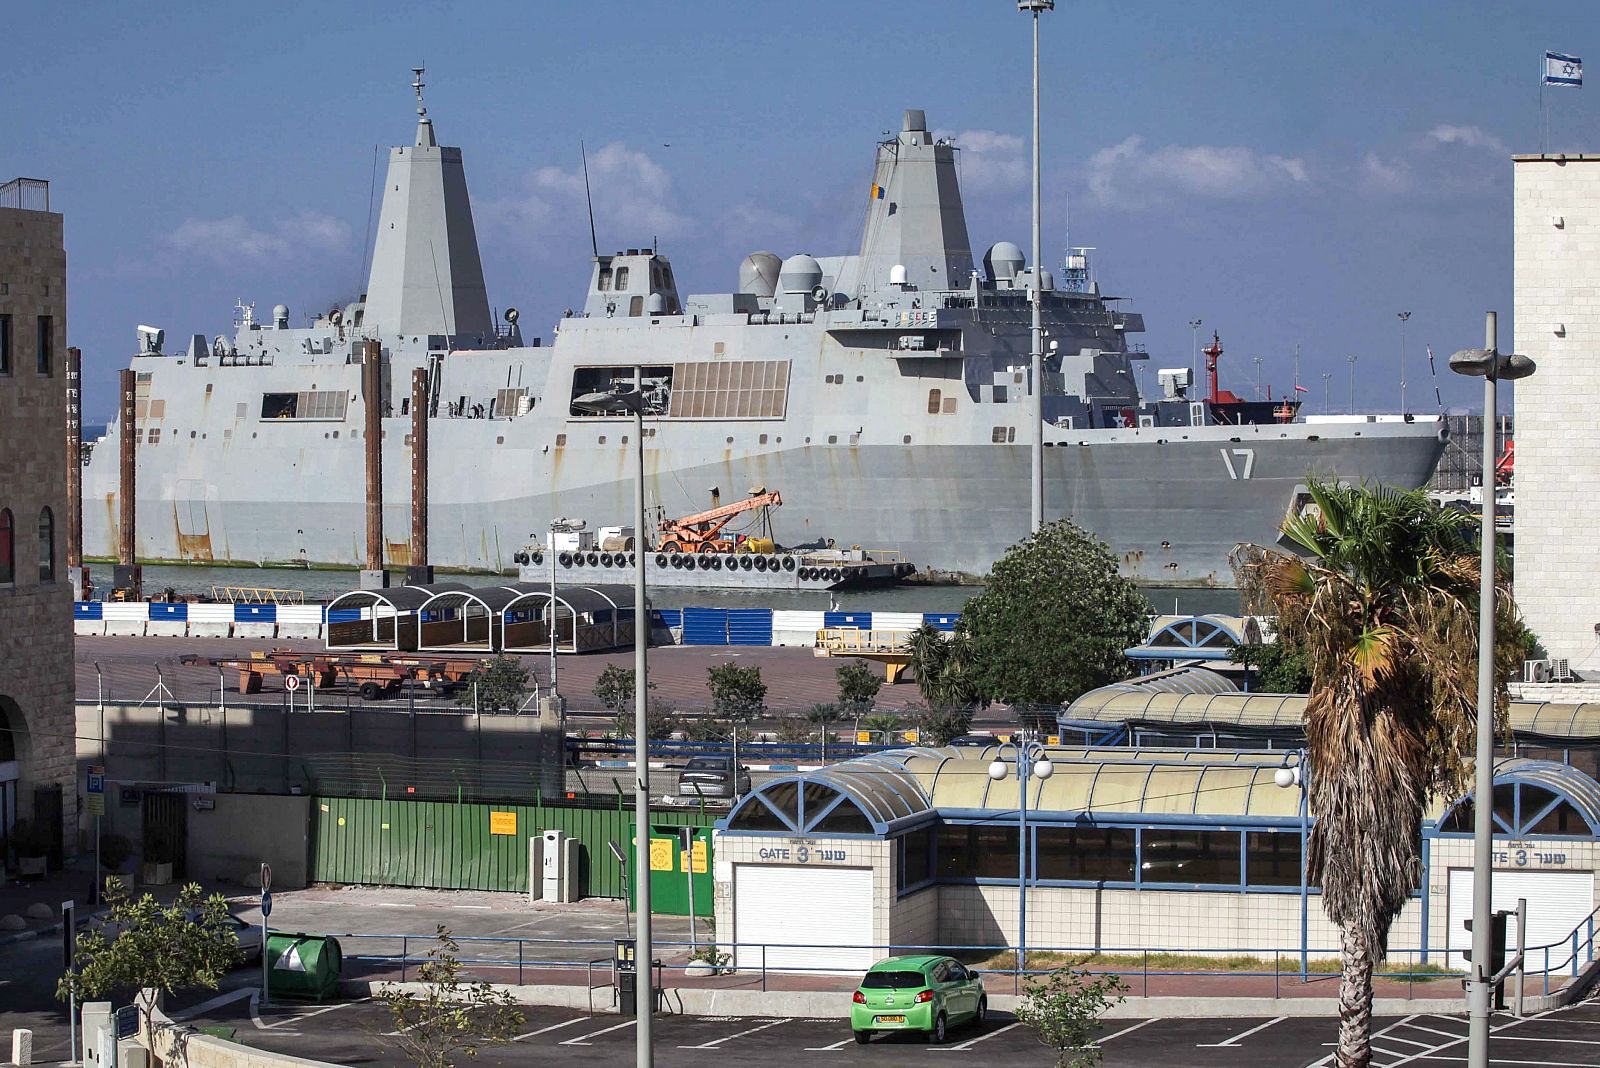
x,y
933,402
5,344
622,278
47,337
916,859
605,279
47,546
998,435
308,404
977,852
1085,854
8,571
999,394
1271,859
949,405
1173,856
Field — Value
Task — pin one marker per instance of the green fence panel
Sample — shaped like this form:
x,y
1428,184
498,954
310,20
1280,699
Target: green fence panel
x,y
467,846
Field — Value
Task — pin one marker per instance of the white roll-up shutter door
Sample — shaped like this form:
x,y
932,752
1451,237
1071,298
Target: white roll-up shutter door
x,y
1558,901
824,915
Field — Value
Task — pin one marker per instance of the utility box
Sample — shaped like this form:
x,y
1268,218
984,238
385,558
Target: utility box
x,y
132,1054
559,863
96,1017
535,867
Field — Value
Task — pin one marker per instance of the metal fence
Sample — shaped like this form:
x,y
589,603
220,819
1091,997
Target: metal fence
x,y
29,194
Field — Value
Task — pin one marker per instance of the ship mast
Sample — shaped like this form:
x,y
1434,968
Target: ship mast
x,y
1036,291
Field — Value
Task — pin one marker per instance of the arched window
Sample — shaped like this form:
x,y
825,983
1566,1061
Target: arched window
x,y
8,572
47,546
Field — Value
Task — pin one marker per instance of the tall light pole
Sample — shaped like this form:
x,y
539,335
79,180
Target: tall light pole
x,y
1258,377
1031,760
1326,378
1036,293
1352,360
1403,316
644,990
1194,352
1491,365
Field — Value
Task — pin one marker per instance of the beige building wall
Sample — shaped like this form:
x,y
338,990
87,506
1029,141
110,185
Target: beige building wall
x,y
1556,222
36,670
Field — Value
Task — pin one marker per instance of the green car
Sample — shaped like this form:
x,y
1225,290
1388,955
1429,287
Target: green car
x,y
921,993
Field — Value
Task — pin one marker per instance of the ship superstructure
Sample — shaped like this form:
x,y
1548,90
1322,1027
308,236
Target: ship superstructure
x,y
887,392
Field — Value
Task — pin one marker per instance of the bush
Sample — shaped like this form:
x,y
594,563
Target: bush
x,y
498,683
1064,1008
615,688
858,685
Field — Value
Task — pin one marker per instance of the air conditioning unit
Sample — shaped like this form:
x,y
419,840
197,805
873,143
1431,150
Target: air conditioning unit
x,y
1536,671
1560,671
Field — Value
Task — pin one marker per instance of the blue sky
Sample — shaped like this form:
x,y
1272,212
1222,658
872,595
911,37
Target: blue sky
x,y
1286,173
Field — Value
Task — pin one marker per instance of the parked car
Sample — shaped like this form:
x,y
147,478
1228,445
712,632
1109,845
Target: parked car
x,y
712,777
920,993
977,740
249,935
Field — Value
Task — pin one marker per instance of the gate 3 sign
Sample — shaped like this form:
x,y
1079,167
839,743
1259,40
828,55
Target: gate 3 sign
x,y
1530,855
803,852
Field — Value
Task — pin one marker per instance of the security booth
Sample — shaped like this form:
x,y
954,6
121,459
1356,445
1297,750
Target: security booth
x,y
387,620
463,620
586,618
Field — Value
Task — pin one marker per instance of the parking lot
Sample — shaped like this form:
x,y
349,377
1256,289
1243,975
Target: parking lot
x,y
350,1033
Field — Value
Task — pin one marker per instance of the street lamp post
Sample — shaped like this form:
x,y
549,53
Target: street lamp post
x,y
1352,360
1036,293
610,404
1032,760
1491,365
1403,316
1290,775
1258,377
1326,378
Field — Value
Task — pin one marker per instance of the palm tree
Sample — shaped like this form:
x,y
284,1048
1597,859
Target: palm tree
x,y
928,648
1383,601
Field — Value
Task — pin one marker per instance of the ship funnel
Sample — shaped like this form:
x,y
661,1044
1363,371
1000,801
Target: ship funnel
x,y
758,273
915,120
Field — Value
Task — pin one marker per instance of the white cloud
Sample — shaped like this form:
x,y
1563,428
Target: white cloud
x,y
1379,175
989,160
1129,175
633,198
233,239
1469,137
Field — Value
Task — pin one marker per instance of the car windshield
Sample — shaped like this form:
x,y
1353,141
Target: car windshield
x,y
707,764
893,980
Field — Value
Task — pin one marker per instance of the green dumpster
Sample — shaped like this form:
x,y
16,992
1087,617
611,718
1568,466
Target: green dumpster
x,y
302,965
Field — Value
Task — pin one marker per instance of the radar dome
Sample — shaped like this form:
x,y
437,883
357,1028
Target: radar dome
x,y
1003,261
280,316
758,273
897,275
800,274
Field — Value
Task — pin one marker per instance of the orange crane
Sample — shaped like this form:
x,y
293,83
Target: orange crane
x,y
698,533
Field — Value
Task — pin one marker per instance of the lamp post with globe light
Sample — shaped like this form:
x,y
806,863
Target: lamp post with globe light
x,y
1492,365
1292,773
1029,760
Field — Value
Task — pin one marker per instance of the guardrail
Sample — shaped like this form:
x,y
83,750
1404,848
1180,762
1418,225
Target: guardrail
x,y
499,957
1580,953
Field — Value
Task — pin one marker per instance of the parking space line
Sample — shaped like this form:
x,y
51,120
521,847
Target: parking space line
x,y
1407,1041
1328,1059
552,1027
714,1043
974,1041
1125,1030
214,1003
1234,1041
1535,1038
583,1040
829,1049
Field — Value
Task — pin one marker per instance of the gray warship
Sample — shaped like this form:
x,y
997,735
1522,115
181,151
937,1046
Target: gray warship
x,y
886,393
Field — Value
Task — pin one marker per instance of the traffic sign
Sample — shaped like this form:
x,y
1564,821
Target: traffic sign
x,y
266,904
94,790
69,932
291,683
266,877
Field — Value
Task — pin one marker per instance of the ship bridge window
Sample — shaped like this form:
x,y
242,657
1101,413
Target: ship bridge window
x,y
622,278
605,279
933,401
635,307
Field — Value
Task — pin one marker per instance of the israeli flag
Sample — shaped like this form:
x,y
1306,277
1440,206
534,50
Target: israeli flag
x,y
1562,69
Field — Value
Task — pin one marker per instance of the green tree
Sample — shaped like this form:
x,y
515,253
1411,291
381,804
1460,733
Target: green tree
x,y
858,685
660,720
824,716
1053,621
794,729
139,945
884,722
1064,1008
449,1017
928,649
939,724
1383,601
615,688
1277,667
497,683
737,693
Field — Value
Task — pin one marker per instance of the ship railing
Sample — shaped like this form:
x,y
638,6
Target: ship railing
x,y
28,194
256,595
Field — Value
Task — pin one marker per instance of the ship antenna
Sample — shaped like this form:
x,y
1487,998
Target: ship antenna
x,y
594,243
418,85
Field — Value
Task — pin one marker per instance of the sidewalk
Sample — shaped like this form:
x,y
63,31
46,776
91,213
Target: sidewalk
x,y
31,908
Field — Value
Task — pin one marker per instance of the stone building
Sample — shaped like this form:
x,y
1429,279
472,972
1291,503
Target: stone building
x,y
36,684
1556,219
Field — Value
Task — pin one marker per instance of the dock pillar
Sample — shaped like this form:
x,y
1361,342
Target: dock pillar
x,y
373,576
127,580
77,574
420,573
